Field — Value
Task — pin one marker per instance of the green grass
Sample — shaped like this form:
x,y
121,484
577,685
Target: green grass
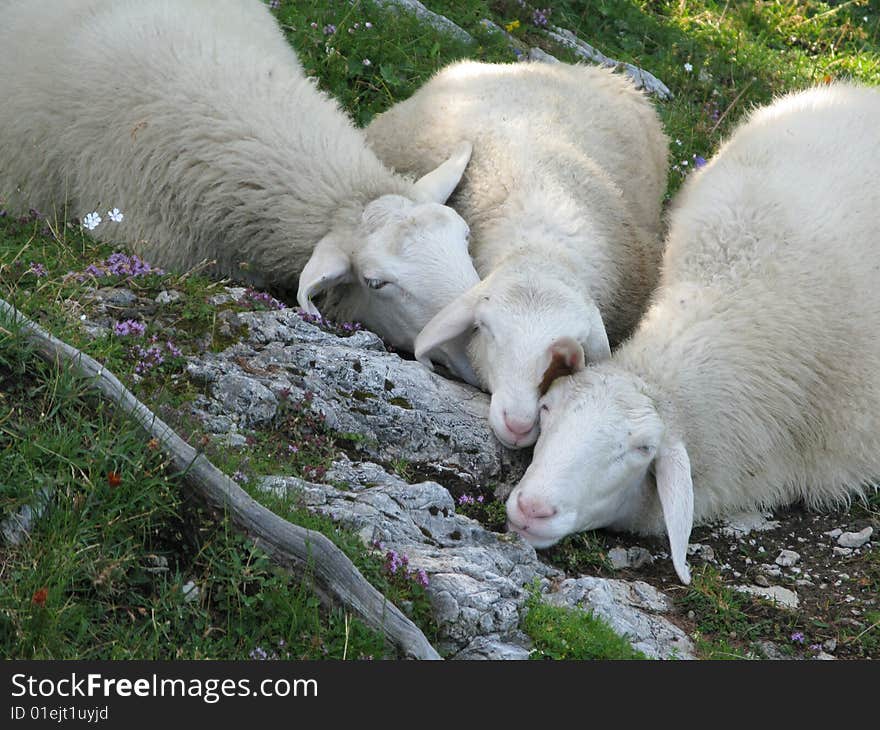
x,y
94,549
565,633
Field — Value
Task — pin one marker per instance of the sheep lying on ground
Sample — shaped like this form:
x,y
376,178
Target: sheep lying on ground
x,y
197,120
754,378
563,197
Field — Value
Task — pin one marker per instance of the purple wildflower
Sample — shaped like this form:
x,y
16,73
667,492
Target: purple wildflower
x,y
797,637
421,577
240,477
129,327
259,654
173,350
540,17
293,448
480,499
329,29
699,161
465,499
393,563
147,359
37,270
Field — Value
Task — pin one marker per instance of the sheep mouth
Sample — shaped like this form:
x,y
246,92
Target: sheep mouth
x,y
535,539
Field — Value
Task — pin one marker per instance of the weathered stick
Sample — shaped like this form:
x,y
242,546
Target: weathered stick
x,y
302,551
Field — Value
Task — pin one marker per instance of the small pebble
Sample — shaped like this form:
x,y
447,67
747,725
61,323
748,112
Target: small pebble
x,y
787,558
855,539
761,580
190,591
829,645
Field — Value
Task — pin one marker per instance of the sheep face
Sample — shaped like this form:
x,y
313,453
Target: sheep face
x,y
603,459
527,331
404,260
413,259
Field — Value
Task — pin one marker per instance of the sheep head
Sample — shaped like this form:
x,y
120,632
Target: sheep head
x,y
605,458
406,258
525,331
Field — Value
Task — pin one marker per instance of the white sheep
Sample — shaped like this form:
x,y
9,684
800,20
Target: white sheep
x,y
196,119
563,196
754,378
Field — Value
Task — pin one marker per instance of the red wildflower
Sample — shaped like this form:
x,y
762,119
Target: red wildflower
x,y
114,479
40,596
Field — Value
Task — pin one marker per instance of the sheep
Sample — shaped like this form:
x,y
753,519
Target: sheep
x,y
563,196
198,121
753,380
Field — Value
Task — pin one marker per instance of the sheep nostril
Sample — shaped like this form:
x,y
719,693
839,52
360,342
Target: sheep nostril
x,y
535,508
518,426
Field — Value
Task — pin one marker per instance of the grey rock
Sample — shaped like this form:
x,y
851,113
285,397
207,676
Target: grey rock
x,y
822,656
830,645
841,552
477,579
634,558
641,78
855,539
835,533
699,550
639,557
231,294
115,296
247,397
781,596
769,650
541,56
17,527
761,580
402,410
516,646
632,610
166,296
235,440
618,558
440,22
190,591
787,558
741,524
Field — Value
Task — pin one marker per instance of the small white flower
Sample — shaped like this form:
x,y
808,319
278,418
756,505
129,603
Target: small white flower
x,y
367,62
91,221
684,162
115,215
678,142
368,24
688,67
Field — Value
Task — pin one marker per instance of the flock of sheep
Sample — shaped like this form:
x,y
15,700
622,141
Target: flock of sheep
x,y
666,371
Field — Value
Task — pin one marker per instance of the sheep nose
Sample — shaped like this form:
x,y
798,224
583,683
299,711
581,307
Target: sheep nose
x,y
534,507
518,426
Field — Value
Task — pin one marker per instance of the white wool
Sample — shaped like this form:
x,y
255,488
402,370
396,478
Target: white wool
x,y
197,121
562,194
759,358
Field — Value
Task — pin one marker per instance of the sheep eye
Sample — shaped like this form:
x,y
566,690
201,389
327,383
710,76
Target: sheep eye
x,y
375,283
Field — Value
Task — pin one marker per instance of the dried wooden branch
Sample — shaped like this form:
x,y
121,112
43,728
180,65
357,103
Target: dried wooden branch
x,y
304,552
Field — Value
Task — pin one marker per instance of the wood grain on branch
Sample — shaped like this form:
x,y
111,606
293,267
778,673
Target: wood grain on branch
x,y
302,551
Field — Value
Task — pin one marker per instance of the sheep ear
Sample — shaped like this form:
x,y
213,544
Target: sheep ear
x,y
597,347
328,266
437,185
566,358
448,324
672,471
